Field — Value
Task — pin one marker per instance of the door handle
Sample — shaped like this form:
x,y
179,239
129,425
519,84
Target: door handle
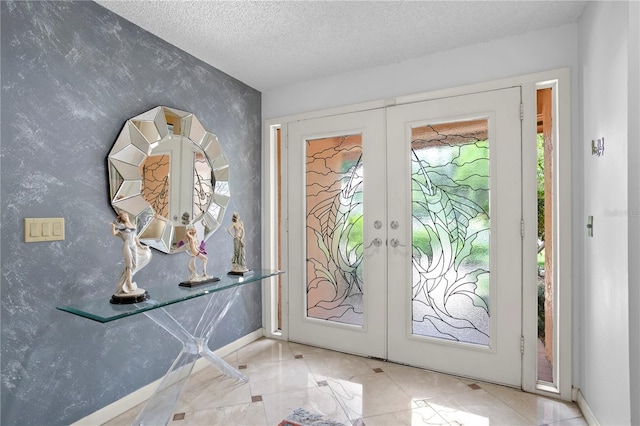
x,y
395,243
376,242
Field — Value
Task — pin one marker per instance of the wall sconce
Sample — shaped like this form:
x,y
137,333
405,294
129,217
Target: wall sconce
x,y
597,147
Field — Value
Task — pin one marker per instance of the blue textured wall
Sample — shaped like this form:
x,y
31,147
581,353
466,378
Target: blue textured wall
x,y
72,74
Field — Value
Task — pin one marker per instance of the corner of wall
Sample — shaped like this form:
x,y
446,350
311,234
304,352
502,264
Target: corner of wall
x,y
587,413
604,348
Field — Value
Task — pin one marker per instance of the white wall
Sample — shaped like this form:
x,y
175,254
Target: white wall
x,y
513,56
604,349
634,208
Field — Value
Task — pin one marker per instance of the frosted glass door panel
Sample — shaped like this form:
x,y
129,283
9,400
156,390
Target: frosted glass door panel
x,y
334,185
451,230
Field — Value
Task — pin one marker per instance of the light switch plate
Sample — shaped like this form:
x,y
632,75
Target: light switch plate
x,y
43,229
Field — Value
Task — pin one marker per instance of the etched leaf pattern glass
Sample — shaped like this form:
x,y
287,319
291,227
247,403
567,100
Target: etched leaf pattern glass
x,y
203,184
450,231
155,182
334,184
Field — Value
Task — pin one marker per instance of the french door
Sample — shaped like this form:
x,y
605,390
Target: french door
x,y
405,234
337,291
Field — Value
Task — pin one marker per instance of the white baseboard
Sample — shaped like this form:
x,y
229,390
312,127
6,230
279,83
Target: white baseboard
x,y
122,405
586,410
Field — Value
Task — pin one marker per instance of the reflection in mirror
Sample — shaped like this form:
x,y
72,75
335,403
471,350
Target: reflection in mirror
x,y
169,174
155,183
203,183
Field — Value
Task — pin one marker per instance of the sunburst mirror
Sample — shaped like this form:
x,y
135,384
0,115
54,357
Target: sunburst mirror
x,y
169,174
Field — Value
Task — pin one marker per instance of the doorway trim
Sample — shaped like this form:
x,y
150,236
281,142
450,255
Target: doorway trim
x,y
529,83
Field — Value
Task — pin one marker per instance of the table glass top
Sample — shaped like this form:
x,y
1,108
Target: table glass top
x,y
101,310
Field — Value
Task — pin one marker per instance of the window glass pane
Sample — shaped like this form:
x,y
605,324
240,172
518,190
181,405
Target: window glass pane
x,y
334,184
450,231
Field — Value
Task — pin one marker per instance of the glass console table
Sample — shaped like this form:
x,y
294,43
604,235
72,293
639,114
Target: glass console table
x,y
159,408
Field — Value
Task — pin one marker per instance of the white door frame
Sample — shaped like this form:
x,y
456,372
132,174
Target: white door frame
x,y
563,220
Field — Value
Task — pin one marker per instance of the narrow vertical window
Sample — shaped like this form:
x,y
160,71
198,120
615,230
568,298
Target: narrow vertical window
x,y
545,235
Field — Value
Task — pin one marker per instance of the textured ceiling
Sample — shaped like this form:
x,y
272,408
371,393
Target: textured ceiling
x,y
267,44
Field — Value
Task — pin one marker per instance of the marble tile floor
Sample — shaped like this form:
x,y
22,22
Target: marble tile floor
x,y
351,390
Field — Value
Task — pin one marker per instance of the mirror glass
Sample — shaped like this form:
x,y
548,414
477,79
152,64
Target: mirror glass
x,y
169,174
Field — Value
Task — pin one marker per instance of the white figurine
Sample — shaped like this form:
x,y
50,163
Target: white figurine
x,y
236,230
196,251
136,256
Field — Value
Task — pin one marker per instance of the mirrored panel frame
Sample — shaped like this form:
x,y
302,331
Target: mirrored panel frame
x,y
197,173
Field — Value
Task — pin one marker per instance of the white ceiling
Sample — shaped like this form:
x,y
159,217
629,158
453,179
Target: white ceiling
x,y
267,44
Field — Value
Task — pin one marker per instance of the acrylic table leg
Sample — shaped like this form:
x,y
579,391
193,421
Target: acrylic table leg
x,y
159,408
221,365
